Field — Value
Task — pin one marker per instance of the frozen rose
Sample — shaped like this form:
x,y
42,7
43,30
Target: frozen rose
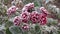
x,y
25,17
43,16
28,7
17,20
44,11
42,19
34,16
11,10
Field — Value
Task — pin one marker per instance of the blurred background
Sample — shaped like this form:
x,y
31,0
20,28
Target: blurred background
x,y
53,18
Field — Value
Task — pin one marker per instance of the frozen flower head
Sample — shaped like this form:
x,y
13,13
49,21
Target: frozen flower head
x,y
34,16
44,10
17,20
28,7
25,17
42,19
11,10
43,16
25,27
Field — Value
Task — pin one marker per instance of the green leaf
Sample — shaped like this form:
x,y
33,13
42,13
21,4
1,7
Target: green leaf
x,y
58,32
8,24
51,32
36,4
51,21
27,1
25,32
7,31
37,29
15,30
39,32
32,30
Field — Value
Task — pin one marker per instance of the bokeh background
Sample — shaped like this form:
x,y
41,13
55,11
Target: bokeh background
x,y
53,18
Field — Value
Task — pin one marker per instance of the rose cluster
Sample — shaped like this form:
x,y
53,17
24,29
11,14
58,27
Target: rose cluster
x,y
34,16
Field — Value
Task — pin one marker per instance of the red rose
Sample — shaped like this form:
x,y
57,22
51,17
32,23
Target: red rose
x,y
42,19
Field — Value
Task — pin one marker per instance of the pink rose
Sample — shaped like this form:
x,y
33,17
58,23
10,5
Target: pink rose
x,y
11,10
42,19
30,5
25,17
27,7
43,16
34,16
44,11
17,20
